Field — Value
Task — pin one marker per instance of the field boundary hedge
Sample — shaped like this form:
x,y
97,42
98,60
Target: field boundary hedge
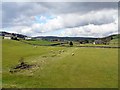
x,y
74,46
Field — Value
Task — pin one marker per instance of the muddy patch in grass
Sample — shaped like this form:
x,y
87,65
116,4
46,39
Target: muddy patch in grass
x,y
21,66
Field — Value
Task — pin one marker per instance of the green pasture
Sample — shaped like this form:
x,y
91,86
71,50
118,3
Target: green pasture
x,y
56,67
39,42
114,42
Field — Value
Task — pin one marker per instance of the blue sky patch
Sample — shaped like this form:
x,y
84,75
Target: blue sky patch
x,y
43,18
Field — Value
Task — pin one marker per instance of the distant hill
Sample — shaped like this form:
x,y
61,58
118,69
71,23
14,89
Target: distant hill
x,y
112,37
115,36
115,39
3,33
50,38
64,38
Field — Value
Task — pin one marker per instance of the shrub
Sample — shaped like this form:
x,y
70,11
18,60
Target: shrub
x,y
71,43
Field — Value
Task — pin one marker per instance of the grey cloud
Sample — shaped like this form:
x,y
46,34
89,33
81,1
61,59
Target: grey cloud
x,y
18,14
78,7
12,11
60,0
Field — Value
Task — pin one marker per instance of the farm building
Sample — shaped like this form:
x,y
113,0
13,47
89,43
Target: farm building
x,y
98,42
13,36
8,36
28,38
38,38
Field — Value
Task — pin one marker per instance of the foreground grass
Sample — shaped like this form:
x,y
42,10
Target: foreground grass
x,y
89,67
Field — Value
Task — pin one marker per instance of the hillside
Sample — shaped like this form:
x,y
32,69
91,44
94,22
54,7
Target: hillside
x,y
115,40
115,36
2,33
39,42
49,38
88,67
65,38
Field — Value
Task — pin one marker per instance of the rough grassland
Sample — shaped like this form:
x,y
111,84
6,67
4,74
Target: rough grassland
x,y
39,42
89,67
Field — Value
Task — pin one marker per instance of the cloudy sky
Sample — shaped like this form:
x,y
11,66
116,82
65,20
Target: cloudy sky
x,y
80,19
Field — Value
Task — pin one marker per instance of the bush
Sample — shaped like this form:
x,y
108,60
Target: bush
x,y
71,44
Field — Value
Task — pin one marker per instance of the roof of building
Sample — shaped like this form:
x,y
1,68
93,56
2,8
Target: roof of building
x,y
8,35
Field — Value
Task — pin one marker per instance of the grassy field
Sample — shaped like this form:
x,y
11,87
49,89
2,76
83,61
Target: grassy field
x,y
87,68
114,42
39,42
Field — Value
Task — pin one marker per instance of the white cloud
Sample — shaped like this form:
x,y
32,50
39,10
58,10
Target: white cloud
x,y
43,18
70,19
51,25
91,30
27,31
97,20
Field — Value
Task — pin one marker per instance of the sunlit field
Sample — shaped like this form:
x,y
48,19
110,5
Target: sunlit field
x,y
58,67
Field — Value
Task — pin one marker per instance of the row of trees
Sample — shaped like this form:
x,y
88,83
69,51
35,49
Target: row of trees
x,y
105,41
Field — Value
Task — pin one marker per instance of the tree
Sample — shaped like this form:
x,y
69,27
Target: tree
x,y
86,41
71,44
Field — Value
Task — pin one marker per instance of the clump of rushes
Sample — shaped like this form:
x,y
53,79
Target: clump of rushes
x,y
22,65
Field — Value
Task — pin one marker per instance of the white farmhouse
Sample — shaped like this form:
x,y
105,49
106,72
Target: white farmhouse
x,y
28,38
98,42
7,37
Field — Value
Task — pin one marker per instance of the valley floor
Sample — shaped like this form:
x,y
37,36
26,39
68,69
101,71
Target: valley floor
x,y
59,67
